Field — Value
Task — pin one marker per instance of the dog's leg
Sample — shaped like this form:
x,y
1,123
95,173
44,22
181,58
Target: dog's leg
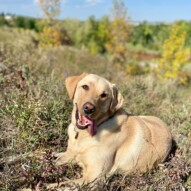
x,y
63,158
92,176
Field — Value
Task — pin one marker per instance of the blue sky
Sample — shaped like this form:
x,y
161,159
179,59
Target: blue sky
x,y
138,10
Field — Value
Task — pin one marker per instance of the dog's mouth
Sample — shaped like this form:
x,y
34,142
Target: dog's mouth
x,y
84,122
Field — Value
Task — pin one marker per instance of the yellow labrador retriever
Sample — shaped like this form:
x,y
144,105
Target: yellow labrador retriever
x,y
103,138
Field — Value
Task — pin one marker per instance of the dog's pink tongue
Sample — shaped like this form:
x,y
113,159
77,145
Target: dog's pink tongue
x,y
91,125
91,128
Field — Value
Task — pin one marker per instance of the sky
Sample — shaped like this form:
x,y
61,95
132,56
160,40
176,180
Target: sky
x,y
138,10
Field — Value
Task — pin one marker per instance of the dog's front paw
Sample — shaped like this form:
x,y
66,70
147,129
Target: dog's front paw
x,y
61,158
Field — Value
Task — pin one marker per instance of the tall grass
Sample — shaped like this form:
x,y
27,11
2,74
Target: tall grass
x,y
35,112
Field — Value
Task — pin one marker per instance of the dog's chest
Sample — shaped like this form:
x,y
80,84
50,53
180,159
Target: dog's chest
x,y
87,148
80,141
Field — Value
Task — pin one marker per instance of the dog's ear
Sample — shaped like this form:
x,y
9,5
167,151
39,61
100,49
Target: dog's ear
x,y
71,83
117,99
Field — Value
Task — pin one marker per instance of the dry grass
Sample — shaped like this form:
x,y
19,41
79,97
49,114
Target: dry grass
x,y
35,110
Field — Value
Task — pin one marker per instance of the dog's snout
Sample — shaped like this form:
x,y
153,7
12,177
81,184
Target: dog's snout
x,y
89,108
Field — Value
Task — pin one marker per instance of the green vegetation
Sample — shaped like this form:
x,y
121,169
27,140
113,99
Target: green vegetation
x,y
175,55
35,112
150,63
137,49
145,35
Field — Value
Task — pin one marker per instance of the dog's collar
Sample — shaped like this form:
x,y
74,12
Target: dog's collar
x,y
76,129
77,133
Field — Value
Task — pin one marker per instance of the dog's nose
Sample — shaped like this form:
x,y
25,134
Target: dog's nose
x,y
89,108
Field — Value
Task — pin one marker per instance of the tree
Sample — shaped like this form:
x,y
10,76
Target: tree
x,y
86,33
93,34
174,55
72,26
119,33
2,20
143,34
20,22
103,33
52,34
30,23
50,8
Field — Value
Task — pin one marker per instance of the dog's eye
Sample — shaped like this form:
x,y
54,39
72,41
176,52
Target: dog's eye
x,y
103,95
85,87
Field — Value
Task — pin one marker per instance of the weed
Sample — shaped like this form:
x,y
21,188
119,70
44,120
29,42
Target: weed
x,y
35,112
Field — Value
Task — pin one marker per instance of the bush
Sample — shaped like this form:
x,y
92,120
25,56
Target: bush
x,y
174,56
53,35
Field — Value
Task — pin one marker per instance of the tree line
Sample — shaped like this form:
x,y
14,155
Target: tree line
x,y
93,34
116,37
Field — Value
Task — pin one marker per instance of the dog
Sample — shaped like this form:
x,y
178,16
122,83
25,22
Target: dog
x,y
103,138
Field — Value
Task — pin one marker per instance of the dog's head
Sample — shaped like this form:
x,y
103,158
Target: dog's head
x,y
95,99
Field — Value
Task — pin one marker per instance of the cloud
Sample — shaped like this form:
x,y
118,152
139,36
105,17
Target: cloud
x,y
92,2
36,2
63,2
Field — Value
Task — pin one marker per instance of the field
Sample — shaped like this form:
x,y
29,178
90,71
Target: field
x,y
35,112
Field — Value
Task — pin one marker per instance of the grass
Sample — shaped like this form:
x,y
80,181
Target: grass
x,y
35,112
